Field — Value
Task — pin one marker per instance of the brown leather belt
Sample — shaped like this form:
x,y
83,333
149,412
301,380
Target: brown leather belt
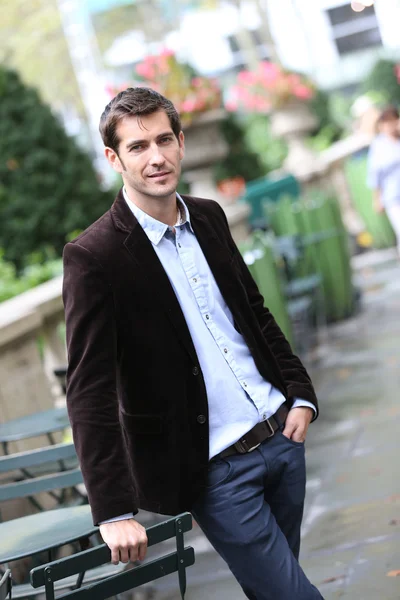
x,y
260,432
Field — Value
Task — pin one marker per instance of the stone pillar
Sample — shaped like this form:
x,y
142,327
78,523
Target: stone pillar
x,y
24,387
324,170
204,147
293,122
27,382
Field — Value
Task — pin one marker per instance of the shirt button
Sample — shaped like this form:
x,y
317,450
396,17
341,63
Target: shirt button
x,y
201,419
264,417
245,384
179,246
207,317
194,279
195,371
226,350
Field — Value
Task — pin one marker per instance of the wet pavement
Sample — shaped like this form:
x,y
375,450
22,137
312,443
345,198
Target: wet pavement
x,y
351,528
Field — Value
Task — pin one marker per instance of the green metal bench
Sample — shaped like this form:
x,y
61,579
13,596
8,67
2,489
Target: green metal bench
x,y
291,248
48,575
59,466
42,423
5,585
47,530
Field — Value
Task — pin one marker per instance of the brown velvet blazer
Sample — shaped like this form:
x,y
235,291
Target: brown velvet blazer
x,y
135,388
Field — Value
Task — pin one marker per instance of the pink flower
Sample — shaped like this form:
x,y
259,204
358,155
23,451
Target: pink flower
x,y
231,105
110,91
167,53
114,90
261,105
269,72
294,79
188,105
303,92
145,70
397,72
247,78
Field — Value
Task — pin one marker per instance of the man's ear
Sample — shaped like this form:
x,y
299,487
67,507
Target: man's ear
x,y
181,140
113,159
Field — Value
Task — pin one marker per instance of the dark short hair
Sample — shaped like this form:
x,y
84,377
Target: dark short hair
x,y
390,113
136,102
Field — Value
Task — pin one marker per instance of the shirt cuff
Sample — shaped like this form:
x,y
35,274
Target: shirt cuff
x,y
299,402
120,518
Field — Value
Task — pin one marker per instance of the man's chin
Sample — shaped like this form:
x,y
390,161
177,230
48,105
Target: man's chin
x,y
162,191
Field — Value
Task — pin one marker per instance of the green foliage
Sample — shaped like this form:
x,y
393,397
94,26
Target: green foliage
x,y
323,138
383,81
340,110
48,186
271,151
329,129
241,159
12,284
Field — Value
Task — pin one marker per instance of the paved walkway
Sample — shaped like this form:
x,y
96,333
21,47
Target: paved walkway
x,y
351,537
351,542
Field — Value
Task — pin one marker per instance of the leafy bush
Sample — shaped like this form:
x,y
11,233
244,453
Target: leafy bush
x,y
329,129
383,80
241,159
12,284
48,186
270,150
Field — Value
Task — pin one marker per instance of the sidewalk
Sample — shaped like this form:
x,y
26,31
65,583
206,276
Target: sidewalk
x,y
351,534
351,538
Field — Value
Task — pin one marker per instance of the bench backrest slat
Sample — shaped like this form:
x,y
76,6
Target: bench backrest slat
x,y
5,585
95,557
40,456
132,578
45,483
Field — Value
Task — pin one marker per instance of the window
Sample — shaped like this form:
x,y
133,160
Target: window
x,y
237,54
352,30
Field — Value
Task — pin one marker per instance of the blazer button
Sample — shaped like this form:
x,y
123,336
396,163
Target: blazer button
x,y
195,371
201,419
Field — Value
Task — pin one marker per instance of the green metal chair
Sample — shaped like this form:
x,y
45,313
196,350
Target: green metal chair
x,y
5,585
47,576
45,422
31,468
48,530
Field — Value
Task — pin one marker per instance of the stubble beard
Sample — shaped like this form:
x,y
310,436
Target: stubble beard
x,y
158,191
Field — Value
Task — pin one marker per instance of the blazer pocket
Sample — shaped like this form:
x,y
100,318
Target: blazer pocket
x,y
143,424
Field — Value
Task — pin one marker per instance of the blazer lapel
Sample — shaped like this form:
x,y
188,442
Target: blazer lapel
x,y
217,255
148,269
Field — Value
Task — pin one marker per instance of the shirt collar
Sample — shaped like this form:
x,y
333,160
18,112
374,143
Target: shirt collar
x,y
154,229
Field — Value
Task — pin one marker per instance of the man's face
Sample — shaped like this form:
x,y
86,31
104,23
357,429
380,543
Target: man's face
x,y
149,156
391,127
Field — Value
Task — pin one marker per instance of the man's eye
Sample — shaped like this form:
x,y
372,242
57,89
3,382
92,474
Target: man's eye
x,y
166,139
136,148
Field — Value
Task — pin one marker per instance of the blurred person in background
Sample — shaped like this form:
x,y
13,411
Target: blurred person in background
x,y
182,391
384,168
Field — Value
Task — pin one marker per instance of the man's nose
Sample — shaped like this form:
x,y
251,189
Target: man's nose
x,y
156,157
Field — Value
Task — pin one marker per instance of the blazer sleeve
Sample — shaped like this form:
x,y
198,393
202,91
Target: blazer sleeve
x,y
296,378
91,385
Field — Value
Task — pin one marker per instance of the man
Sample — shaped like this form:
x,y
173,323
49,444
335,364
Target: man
x,y
384,168
183,393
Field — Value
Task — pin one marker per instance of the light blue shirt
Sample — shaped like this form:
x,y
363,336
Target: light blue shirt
x,y
384,169
238,396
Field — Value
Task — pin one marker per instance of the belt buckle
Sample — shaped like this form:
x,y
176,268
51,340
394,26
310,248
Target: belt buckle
x,y
270,428
243,448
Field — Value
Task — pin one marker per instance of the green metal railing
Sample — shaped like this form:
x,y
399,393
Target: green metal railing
x,y
316,224
377,225
259,254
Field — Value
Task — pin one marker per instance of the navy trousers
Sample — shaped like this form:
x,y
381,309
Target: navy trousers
x,y
251,513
